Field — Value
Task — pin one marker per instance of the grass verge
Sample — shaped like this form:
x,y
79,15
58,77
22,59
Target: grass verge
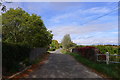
x,y
111,70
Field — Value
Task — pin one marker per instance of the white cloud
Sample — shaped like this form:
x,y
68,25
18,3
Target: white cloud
x,y
79,13
106,40
115,32
83,29
86,34
57,19
97,10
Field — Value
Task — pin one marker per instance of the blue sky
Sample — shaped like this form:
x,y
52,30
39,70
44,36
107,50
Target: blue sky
x,y
87,22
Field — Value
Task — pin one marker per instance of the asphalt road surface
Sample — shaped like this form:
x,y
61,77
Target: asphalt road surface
x,y
62,66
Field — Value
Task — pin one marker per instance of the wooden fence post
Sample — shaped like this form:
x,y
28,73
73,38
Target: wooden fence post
x,y
116,57
107,57
96,57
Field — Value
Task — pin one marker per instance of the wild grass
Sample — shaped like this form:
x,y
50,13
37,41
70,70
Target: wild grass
x,y
111,70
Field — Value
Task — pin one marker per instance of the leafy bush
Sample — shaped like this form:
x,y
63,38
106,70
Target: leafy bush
x,y
88,52
20,27
110,49
12,56
54,45
102,57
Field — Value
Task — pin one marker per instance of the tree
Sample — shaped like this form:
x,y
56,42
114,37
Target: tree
x,y
60,45
66,42
72,44
21,27
54,44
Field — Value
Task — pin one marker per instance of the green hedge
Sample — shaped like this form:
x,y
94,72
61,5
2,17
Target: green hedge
x,y
110,49
12,55
106,48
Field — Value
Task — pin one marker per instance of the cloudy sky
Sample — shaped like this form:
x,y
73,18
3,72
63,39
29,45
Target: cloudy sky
x,y
86,22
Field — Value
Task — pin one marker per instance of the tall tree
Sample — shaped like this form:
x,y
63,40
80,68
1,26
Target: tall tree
x,y
21,27
66,42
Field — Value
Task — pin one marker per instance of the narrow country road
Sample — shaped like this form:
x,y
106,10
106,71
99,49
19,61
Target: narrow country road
x,y
62,66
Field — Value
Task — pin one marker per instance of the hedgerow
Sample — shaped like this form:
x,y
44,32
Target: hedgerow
x,y
13,55
89,52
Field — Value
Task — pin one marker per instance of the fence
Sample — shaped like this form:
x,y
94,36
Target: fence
x,y
108,58
37,52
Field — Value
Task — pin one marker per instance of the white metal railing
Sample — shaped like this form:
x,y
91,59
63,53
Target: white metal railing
x,y
107,59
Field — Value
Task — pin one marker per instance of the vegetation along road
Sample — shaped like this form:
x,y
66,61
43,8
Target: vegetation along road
x,y
62,66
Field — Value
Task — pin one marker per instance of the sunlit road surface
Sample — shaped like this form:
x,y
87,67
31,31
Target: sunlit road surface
x,y
62,66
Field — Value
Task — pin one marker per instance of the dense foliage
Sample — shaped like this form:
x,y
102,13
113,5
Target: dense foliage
x,y
21,32
21,27
106,48
54,45
87,52
101,49
110,49
12,55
